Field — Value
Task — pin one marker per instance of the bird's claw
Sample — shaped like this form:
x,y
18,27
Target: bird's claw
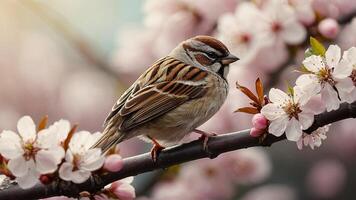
x,y
155,151
205,138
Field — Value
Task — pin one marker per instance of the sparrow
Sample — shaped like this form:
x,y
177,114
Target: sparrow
x,y
173,97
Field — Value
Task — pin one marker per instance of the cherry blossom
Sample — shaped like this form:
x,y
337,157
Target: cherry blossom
x,y
346,38
350,56
271,192
259,123
247,166
122,189
236,30
80,160
329,76
329,28
113,163
288,113
172,190
283,23
304,10
326,179
314,139
206,179
30,153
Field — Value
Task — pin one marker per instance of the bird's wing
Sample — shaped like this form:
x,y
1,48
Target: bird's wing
x,y
156,100
166,85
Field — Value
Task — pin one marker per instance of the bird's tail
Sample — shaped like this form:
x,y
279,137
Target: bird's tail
x,y
109,138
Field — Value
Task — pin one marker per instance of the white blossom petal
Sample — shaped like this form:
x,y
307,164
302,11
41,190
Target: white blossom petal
x,y
66,171
47,160
300,96
18,166
350,55
315,105
293,130
26,128
271,111
127,180
79,176
278,96
314,63
10,145
46,139
294,33
329,96
29,180
309,83
345,85
343,69
81,141
92,160
278,126
306,120
61,128
332,56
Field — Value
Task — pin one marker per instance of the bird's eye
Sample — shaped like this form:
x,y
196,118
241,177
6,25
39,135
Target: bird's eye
x,y
212,55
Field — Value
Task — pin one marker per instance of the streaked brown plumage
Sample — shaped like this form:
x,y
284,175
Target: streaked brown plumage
x,y
174,96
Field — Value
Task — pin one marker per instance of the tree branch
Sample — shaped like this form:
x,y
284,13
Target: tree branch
x,y
170,156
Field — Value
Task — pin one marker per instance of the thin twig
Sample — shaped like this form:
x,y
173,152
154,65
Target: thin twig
x,y
171,156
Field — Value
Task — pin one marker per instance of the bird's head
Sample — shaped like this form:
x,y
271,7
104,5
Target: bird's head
x,y
205,52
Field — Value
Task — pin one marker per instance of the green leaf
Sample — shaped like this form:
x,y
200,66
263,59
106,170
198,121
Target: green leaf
x,y
308,53
316,47
290,89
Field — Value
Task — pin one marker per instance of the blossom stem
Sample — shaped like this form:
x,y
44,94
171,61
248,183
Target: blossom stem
x,y
171,156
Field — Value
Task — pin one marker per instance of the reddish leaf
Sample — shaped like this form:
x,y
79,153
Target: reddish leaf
x,y
43,123
259,90
247,92
69,137
249,110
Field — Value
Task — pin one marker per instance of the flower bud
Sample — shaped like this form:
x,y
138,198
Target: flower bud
x,y
254,132
113,163
329,28
259,121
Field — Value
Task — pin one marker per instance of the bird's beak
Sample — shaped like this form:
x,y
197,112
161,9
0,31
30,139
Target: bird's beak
x,y
229,59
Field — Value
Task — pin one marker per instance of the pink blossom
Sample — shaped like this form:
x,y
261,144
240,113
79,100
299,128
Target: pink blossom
x,y
241,36
304,10
206,180
123,189
283,23
247,166
271,192
347,37
59,198
259,121
175,21
113,163
334,9
329,28
326,178
254,132
173,190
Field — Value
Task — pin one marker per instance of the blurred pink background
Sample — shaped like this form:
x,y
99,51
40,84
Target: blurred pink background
x,y
72,60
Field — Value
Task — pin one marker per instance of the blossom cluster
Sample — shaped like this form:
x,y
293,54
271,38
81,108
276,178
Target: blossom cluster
x,y
42,155
325,74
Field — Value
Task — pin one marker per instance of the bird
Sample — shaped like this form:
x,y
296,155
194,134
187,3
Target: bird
x,y
173,97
